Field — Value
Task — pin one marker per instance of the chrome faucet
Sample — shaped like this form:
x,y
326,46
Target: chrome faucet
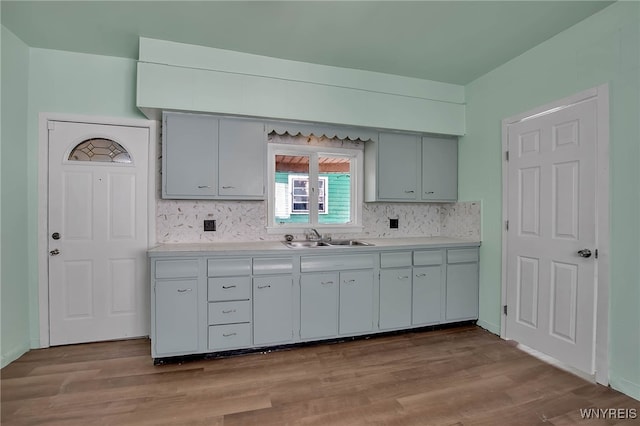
x,y
318,236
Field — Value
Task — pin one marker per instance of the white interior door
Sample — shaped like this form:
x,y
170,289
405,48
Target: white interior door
x,y
98,287
551,279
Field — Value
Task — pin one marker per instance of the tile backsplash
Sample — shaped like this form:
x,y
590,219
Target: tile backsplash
x,y
181,221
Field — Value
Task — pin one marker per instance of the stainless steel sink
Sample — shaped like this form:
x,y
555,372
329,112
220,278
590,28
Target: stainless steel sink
x,y
348,243
305,244
334,243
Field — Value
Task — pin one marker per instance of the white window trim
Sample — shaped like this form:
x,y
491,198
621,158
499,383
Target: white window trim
x,y
314,152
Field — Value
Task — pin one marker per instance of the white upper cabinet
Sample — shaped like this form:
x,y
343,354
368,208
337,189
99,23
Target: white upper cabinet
x,y
439,169
207,157
189,156
411,168
242,158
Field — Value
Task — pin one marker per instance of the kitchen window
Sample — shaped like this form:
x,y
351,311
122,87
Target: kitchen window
x,y
314,187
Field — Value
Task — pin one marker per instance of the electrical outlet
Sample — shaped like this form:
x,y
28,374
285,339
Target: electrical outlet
x,y
209,225
393,223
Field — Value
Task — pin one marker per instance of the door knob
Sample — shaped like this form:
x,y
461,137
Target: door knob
x,y
54,252
55,235
584,253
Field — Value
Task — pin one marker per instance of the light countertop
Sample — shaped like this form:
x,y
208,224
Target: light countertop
x,y
271,246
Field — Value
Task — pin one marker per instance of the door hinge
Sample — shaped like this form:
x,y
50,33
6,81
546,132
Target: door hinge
x,y
51,125
506,225
596,254
504,309
506,155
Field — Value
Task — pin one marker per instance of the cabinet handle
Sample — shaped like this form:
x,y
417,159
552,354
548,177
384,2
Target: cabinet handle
x,y
228,311
326,282
228,187
260,287
430,192
421,275
409,191
204,186
229,334
403,277
227,287
183,290
349,281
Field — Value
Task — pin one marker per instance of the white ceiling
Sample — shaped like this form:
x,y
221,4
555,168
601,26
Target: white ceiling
x,y
449,41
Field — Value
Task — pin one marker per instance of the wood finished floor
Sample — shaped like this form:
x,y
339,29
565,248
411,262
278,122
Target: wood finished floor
x,y
458,376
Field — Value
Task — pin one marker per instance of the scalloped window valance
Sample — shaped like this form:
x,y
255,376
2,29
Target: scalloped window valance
x,y
340,132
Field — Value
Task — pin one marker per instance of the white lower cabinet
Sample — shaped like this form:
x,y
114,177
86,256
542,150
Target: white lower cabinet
x,y
319,305
176,328
217,302
427,295
395,298
356,302
272,310
462,285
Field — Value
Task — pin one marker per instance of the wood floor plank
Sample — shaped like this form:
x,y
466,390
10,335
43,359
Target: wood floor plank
x,y
456,376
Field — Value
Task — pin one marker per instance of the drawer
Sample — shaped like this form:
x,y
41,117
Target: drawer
x,y
230,288
427,257
229,336
462,255
272,265
336,263
228,267
229,312
395,260
179,268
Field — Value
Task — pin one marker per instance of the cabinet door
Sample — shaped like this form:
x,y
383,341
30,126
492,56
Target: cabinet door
x,y
242,158
319,305
189,156
272,309
356,302
176,313
395,298
462,291
439,169
398,167
427,294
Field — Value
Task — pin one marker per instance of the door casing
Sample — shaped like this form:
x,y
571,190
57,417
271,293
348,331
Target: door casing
x,y
601,95
43,202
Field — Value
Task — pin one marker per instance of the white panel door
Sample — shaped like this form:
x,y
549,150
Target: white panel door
x,y
97,232
552,218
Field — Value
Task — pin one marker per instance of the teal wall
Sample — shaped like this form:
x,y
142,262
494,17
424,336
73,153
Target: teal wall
x,y
601,49
14,228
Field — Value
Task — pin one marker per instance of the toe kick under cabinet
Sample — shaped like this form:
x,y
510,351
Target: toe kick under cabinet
x,y
208,302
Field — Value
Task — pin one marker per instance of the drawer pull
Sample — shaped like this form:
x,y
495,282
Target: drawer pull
x,y
229,334
326,282
409,191
183,290
421,275
227,287
228,187
260,287
349,281
204,186
429,192
403,277
228,311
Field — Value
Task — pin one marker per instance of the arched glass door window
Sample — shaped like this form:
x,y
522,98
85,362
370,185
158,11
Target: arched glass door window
x,y
100,150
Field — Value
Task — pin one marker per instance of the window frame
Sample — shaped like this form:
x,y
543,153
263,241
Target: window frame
x,y
356,163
